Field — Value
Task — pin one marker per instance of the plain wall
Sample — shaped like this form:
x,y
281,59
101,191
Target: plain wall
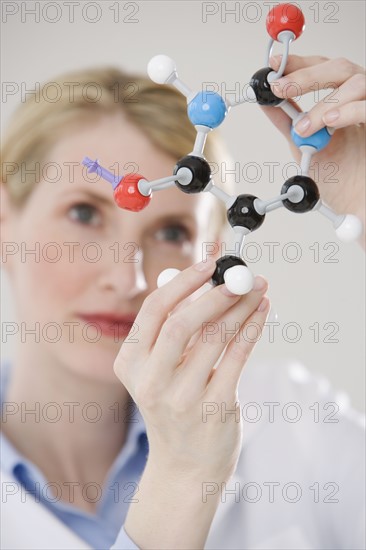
x,y
327,294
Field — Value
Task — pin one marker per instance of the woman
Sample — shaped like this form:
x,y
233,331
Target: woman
x,y
102,478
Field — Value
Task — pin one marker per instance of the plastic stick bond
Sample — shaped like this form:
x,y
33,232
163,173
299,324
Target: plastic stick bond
x,y
192,173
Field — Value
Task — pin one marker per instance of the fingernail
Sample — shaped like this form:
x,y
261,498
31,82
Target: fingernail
x,y
259,283
331,116
302,125
226,291
205,265
263,305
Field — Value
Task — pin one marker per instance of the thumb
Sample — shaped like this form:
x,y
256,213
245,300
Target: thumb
x,y
280,119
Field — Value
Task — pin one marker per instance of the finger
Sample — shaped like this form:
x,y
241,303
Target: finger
x,y
157,306
351,113
180,327
353,89
196,336
192,297
296,62
331,73
162,301
215,336
226,376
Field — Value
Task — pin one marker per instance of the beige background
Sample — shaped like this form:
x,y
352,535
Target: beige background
x,y
226,49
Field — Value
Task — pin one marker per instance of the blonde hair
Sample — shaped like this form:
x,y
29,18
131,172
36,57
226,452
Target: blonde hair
x,y
159,111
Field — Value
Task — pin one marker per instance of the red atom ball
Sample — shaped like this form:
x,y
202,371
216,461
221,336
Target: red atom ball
x,y
127,195
285,17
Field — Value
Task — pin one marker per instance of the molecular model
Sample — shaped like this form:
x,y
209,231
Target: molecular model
x,y
192,174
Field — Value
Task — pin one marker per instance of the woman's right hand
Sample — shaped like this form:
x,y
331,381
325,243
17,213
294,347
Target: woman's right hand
x,y
170,375
170,384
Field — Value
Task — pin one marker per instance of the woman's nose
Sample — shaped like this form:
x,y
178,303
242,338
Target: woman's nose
x,y
125,275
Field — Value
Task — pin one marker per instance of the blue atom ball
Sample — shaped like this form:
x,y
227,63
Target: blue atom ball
x,y
319,140
207,109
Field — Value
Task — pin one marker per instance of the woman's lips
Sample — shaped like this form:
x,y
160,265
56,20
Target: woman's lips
x,y
112,326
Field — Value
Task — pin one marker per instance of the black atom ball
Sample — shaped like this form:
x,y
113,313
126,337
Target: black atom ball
x,y
224,263
262,89
311,194
201,173
243,213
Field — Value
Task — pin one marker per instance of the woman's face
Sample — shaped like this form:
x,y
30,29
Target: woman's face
x,y
91,257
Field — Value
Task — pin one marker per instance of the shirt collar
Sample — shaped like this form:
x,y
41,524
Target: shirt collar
x,y
10,457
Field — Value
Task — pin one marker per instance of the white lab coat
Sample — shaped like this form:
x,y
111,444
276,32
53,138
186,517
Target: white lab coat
x,y
289,478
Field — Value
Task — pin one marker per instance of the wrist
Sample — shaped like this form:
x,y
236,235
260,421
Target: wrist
x,y
181,472
171,510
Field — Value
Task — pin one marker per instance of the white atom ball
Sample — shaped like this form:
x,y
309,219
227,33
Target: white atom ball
x,y
166,276
239,279
350,229
160,68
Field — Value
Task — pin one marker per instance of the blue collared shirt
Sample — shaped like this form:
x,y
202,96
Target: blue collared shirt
x,y
104,528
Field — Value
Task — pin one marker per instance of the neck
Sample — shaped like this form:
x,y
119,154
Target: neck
x,y
70,426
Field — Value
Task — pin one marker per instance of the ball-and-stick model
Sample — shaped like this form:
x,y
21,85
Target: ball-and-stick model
x,y
192,174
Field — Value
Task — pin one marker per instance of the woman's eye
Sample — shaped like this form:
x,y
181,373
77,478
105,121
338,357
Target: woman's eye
x,y
174,233
85,213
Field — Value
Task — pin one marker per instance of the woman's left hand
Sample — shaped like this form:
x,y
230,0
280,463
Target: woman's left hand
x,y
339,169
